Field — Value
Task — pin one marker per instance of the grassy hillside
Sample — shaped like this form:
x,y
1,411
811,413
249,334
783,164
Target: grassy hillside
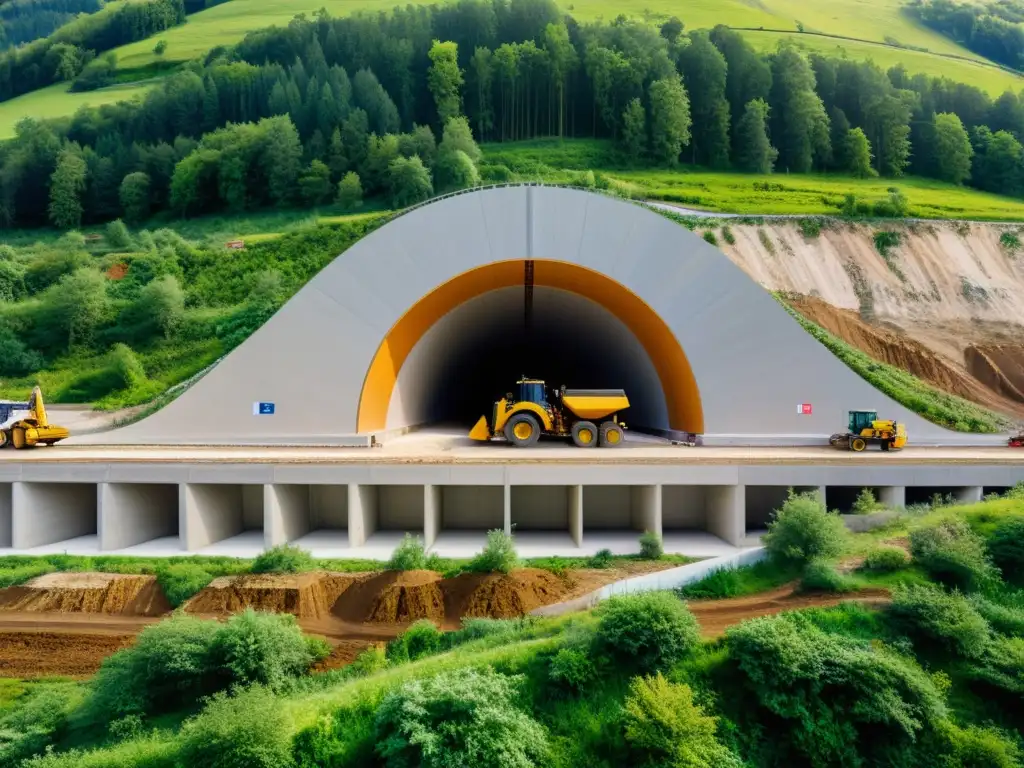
x,y
931,677
57,101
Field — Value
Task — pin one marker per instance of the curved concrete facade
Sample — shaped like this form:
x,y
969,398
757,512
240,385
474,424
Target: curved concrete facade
x,y
729,361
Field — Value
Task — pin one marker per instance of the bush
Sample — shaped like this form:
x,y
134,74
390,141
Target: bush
x,y
38,720
935,618
181,581
648,631
803,530
603,559
866,503
974,747
665,728
421,639
498,555
1006,548
572,669
1001,667
650,546
283,558
709,237
950,552
820,575
249,730
409,555
886,560
810,228
266,648
831,699
463,717
1004,619
118,236
350,191
728,236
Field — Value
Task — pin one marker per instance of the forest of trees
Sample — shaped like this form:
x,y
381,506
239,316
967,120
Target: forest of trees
x,y
992,30
291,113
22,21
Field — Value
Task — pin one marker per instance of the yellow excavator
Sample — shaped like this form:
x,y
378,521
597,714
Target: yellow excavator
x,y
865,428
589,416
25,425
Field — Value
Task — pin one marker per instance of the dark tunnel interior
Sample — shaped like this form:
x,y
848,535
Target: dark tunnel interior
x,y
476,353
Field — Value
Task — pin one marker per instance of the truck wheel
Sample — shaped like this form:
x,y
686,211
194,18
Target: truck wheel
x,y
584,434
522,430
612,435
858,444
5,438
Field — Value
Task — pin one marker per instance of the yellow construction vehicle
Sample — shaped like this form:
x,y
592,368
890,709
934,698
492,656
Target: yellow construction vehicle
x,y
25,425
589,416
866,429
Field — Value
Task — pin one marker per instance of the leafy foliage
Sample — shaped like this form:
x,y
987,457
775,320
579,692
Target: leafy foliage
x,y
650,546
648,631
421,639
284,558
821,575
803,530
409,555
180,581
247,730
953,554
265,648
464,717
886,560
947,622
1006,548
498,555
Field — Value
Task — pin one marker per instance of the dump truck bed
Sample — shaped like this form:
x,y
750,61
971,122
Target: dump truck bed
x,y
593,404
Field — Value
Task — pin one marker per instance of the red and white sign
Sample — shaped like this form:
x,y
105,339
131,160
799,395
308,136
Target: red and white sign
x,y
804,409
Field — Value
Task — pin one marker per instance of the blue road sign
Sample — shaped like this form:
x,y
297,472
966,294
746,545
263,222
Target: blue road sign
x,y
262,409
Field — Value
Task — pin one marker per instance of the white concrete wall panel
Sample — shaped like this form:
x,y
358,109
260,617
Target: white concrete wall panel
x,y
473,507
608,507
328,507
647,508
133,513
209,513
752,362
726,510
362,513
540,508
286,513
684,507
400,508
48,513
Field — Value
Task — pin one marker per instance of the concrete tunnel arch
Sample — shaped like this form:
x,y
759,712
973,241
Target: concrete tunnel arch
x,y
678,385
730,362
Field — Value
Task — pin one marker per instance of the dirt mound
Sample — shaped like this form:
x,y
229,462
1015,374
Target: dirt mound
x,y
48,654
108,593
912,356
305,595
394,597
999,367
500,596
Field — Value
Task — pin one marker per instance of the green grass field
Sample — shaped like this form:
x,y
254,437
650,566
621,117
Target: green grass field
x,y
56,101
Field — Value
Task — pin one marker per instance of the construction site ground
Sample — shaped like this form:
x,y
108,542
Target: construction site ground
x,y
66,624
451,446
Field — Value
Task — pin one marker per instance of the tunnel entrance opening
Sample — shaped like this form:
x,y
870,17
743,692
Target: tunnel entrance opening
x,y
475,354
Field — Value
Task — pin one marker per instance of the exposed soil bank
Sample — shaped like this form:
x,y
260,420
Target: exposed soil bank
x,y
87,593
305,595
50,654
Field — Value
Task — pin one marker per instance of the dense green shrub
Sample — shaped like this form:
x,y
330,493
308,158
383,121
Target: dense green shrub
x,y
866,503
647,631
828,699
603,559
266,648
409,555
16,359
498,555
1006,619
475,629
464,717
248,730
728,236
572,669
822,576
717,585
421,639
950,552
664,727
650,546
118,236
10,577
284,558
180,581
886,560
932,617
36,722
709,237
1002,667
803,530
1006,548
975,747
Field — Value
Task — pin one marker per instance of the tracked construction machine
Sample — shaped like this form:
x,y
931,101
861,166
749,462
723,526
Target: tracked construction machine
x,y
589,416
865,428
25,425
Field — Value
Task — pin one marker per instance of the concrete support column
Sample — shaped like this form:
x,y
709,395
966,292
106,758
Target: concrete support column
x,y
5,514
133,513
286,513
727,512
45,513
432,501
576,514
972,494
362,513
208,513
508,509
892,496
645,508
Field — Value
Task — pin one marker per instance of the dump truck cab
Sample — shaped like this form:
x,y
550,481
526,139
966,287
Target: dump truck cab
x,y
589,417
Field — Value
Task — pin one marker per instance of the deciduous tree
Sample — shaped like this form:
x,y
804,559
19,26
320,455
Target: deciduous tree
x,y
670,119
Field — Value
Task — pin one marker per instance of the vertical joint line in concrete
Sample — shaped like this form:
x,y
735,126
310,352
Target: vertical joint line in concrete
x,y
528,299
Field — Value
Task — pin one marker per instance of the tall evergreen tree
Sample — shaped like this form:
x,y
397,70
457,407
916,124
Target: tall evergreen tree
x,y
670,119
66,187
953,150
754,152
704,72
799,123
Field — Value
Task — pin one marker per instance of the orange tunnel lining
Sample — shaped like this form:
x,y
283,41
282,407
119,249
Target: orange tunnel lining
x,y
685,412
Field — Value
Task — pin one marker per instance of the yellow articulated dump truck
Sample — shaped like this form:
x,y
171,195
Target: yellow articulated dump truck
x,y
589,416
25,425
